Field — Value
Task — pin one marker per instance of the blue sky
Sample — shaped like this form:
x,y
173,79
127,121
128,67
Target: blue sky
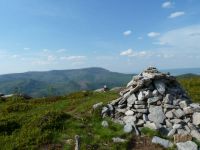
x,y
122,36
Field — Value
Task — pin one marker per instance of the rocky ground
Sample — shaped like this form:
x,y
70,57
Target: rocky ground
x,y
156,100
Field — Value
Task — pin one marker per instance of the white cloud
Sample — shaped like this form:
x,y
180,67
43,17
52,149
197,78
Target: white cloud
x,y
153,34
51,58
127,33
131,53
73,58
128,52
176,14
45,50
40,62
167,4
61,50
26,48
186,38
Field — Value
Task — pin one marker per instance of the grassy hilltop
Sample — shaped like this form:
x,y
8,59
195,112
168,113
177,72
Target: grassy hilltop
x,y
52,123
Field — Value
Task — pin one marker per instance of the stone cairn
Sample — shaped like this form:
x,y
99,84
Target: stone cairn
x,y
155,100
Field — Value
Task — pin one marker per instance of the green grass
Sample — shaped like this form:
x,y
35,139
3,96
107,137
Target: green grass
x,y
149,132
192,86
45,122
52,122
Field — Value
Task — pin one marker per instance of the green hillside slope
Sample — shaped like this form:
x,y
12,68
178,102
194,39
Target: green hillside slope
x,y
59,82
192,85
52,123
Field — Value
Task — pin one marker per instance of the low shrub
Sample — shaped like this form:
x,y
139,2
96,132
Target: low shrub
x,y
52,120
8,126
16,107
80,94
149,132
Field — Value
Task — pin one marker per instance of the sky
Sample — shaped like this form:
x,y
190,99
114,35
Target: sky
x,y
122,36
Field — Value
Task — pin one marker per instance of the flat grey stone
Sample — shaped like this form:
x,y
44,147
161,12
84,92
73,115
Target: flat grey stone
x,y
176,102
98,105
183,104
189,145
139,102
131,99
129,119
194,133
196,118
122,101
177,126
175,120
156,114
165,143
191,126
128,128
139,115
129,113
147,94
121,106
169,114
195,107
168,123
104,110
178,113
120,110
141,110
139,106
160,86
168,99
187,128
155,93
118,140
145,118
110,107
171,132
169,106
187,120
188,110
153,99
182,132
141,96
152,125
136,130
140,122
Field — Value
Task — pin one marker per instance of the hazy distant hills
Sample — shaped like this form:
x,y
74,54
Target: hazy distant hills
x,y
181,71
59,82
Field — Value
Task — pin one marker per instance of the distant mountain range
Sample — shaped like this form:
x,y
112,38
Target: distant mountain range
x,y
181,71
60,82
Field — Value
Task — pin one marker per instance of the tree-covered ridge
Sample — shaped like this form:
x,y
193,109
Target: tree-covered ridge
x,y
61,82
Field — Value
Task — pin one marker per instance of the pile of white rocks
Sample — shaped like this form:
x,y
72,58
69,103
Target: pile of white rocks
x,y
155,100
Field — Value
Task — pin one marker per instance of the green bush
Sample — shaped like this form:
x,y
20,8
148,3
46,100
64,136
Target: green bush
x,y
80,94
8,126
18,107
52,120
149,132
